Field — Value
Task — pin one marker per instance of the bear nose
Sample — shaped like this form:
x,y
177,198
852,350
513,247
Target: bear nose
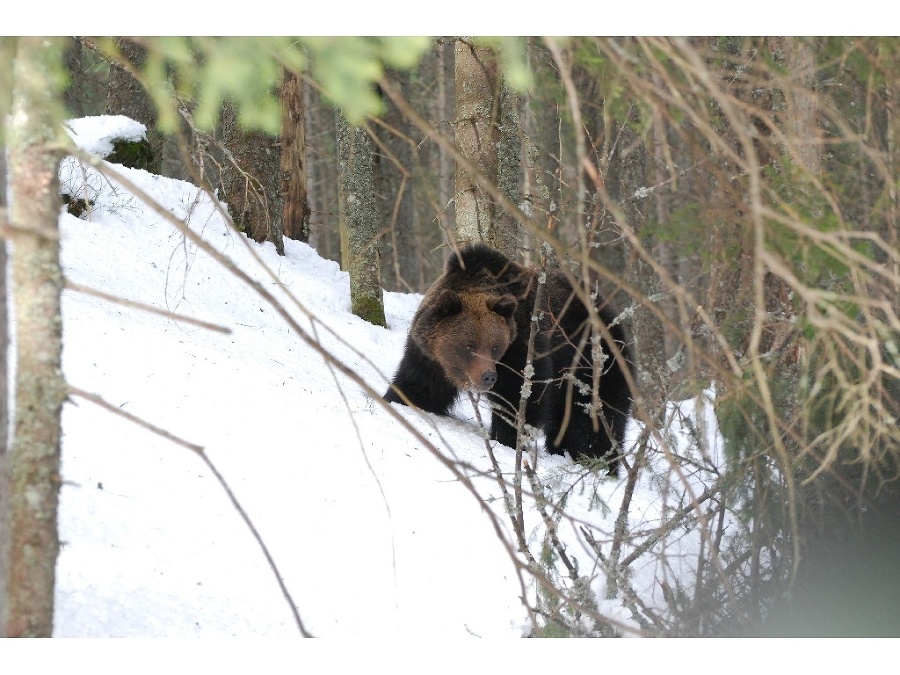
x,y
488,379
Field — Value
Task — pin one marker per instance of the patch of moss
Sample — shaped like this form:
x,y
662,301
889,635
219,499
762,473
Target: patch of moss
x,y
369,309
134,154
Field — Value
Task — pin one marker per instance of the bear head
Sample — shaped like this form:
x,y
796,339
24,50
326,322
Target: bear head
x,y
467,333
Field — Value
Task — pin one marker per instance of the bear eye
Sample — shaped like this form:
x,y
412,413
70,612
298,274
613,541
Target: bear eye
x,y
495,349
470,347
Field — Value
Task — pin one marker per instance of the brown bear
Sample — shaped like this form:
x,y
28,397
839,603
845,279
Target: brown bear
x,y
471,332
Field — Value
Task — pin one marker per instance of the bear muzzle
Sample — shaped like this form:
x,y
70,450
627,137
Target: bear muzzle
x,y
479,380
488,379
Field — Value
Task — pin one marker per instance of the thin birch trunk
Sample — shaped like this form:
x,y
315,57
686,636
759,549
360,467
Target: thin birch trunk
x,y
34,467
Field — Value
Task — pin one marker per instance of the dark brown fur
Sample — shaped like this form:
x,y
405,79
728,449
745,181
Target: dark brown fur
x,y
471,332
469,343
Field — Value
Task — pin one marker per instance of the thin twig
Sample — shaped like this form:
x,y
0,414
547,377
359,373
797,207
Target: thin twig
x,y
455,467
518,526
87,290
199,451
551,526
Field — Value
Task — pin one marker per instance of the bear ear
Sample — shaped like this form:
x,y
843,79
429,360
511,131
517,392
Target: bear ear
x,y
446,304
505,305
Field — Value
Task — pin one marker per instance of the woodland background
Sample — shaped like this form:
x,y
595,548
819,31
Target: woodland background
x,y
738,198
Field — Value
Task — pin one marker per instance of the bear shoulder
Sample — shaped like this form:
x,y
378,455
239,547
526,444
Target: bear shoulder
x,y
488,267
475,258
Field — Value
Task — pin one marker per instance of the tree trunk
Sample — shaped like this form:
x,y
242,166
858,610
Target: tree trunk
x,y
4,411
360,222
627,174
803,105
485,116
295,213
509,168
7,55
324,186
394,195
40,388
75,96
442,107
252,181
